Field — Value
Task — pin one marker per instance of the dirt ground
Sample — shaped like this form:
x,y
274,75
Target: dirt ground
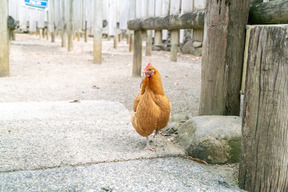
x,y
44,71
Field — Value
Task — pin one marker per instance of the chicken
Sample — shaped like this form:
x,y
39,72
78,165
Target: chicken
x,y
151,108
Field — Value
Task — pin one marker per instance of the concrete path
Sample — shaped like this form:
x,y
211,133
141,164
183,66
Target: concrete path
x,y
92,146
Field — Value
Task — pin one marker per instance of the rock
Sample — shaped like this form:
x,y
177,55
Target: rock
x,y
158,47
197,44
176,121
179,118
188,48
171,128
214,139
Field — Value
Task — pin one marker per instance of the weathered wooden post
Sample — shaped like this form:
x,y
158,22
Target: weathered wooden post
x,y
78,35
63,33
112,21
223,53
137,54
158,33
53,22
115,40
174,9
4,39
131,15
131,44
70,26
148,49
264,153
97,43
150,13
174,45
86,33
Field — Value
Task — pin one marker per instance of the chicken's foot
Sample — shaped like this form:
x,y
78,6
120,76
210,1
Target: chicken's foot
x,y
148,146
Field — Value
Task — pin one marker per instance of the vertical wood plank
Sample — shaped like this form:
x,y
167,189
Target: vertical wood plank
x,y
4,39
264,148
70,25
137,54
97,43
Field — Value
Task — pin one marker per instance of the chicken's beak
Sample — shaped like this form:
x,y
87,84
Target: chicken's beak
x,y
148,73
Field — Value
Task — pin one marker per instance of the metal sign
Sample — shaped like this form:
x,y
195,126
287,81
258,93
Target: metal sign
x,y
41,4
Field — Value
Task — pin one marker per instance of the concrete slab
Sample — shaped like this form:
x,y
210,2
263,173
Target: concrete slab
x,y
161,174
38,135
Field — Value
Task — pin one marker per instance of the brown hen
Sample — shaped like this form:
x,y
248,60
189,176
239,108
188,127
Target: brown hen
x,y
151,109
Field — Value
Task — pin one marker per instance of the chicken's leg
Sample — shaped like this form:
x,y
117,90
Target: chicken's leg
x,y
158,133
148,147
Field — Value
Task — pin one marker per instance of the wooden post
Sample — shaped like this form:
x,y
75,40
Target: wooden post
x,y
53,22
264,153
148,51
4,39
150,13
174,45
158,37
137,54
272,12
128,38
97,43
78,36
120,36
43,32
131,45
70,26
63,32
115,40
174,9
47,33
158,13
13,35
86,32
223,53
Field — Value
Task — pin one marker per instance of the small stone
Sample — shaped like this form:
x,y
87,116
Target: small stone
x,y
197,44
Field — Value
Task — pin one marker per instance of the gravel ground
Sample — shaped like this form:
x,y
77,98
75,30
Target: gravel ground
x,y
43,73
164,174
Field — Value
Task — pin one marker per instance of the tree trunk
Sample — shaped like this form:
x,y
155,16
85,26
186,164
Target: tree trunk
x,y
137,54
97,43
223,51
273,12
4,39
264,158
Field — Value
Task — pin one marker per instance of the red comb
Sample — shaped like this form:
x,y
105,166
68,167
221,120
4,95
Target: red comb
x,y
149,64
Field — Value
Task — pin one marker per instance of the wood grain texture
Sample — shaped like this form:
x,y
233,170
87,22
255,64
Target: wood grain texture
x,y
264,158
191,20
273,12
137,54
222,59
4,40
